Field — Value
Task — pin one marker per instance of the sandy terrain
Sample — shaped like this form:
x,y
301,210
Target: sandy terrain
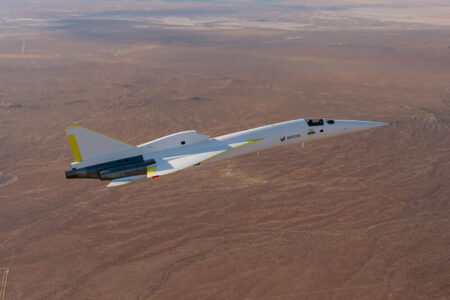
x,y
364,216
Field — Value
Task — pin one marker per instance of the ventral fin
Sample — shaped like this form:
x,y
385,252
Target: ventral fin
x,y
125,180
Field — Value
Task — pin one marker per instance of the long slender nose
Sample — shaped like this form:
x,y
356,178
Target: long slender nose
x,y
353,126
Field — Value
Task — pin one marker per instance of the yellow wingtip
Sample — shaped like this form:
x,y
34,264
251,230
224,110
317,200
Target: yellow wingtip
x,y
74,145
151,170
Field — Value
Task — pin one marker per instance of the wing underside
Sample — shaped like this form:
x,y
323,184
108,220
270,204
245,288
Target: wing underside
x,y
172,164
169,165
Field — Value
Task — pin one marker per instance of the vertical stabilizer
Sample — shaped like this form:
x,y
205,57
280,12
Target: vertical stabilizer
x,y
86,143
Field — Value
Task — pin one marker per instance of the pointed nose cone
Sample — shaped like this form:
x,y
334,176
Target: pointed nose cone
x,y
353,126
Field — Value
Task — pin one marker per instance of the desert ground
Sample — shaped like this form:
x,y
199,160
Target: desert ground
x,y
362,216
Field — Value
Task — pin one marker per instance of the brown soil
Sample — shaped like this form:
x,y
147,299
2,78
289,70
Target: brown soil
x,y
363,216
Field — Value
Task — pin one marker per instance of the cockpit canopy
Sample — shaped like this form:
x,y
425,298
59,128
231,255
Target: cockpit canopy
x,y
314,122
318,122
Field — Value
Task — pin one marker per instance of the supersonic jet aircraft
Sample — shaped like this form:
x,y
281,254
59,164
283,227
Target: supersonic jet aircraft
x,y
101,157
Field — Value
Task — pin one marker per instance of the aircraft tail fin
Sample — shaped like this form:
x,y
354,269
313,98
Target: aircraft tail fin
x,y
86,143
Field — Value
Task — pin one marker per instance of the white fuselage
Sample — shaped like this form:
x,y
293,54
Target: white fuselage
x,y
279,134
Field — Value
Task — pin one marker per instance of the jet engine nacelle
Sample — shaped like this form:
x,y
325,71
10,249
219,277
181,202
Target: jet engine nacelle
x,y
115,169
